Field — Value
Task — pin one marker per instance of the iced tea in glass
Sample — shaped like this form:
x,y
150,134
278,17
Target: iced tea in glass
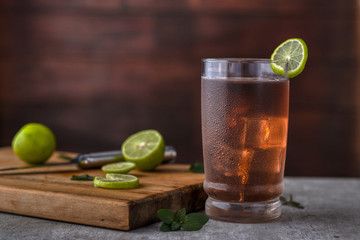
x,y
245,108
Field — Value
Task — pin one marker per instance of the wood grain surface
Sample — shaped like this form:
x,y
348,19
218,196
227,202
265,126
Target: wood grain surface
x,y
49,193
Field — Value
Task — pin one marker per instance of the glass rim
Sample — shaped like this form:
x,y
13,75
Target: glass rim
x,y
226,67
240,60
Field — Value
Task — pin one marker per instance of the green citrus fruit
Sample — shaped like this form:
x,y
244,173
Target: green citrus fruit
x,y
145,148
117,181
118,167
34,143
292,52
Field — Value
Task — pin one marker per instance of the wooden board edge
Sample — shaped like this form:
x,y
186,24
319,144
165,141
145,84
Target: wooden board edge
x,y
70,208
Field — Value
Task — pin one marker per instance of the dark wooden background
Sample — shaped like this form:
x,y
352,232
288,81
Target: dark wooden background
x,y
97,71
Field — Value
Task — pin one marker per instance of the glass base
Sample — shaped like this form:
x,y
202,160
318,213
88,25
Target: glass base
x,y
243,212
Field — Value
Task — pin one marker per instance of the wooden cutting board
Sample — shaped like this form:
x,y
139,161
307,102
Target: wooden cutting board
x,y
49,193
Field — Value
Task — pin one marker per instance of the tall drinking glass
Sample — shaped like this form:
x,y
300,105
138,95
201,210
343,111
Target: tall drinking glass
x,y
245,108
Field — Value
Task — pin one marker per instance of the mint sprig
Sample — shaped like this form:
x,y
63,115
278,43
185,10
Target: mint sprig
x,y
84,177
290,202
176,221
197,168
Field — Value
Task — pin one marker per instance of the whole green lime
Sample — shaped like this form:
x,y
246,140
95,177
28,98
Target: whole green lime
x,y
34,143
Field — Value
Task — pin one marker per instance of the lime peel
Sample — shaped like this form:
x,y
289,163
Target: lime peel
x,y
290,57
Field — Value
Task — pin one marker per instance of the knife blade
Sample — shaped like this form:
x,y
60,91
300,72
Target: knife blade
x,y
97,159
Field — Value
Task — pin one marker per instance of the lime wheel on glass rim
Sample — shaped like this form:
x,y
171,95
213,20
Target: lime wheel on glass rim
x,y
290,57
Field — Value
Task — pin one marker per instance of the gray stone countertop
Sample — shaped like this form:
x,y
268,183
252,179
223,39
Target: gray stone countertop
x,y
332,211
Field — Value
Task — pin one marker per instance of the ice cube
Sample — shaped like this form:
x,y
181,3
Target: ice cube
x,y
243,168
229,166
277,132
267,170
240,165
225,159
269,160
230,162
265,133
257,131
234,116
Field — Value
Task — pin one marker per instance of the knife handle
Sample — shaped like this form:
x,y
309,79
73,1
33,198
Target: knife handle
x,y
96,160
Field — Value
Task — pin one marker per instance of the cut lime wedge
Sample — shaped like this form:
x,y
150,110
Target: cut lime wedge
x,y
293,53
120,181
118,167
145,149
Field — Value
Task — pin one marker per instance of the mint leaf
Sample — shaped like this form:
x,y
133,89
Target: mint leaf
x,y
197,168
282,199
290,202
201,218
166,215
180,215
191,224
84,177
165,228
175,221
175,226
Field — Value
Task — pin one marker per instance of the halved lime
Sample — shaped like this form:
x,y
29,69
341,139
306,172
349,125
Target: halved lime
x,y
118,167
293,52
117,181
145,148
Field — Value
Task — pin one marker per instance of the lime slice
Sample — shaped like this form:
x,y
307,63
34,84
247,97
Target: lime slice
x,y
145,148
118,176
116,181
118,167
294,52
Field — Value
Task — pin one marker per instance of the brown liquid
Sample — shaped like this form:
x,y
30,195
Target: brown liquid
x,y
244,127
